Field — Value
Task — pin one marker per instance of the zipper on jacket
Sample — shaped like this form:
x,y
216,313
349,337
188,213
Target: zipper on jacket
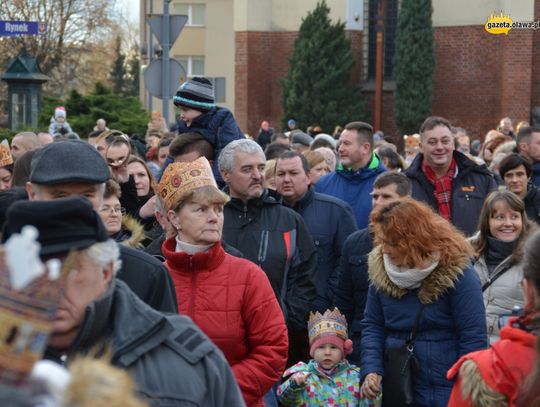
x,y
263,247
193,295
245,211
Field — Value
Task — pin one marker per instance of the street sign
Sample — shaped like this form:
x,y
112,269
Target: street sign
x,y
177,22
11,28
153,75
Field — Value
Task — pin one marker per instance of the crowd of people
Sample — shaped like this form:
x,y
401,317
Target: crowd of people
x,y
296,268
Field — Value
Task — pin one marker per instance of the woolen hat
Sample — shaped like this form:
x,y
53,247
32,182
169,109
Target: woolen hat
x,y
68,161
330,327
299,137
63,224
196,93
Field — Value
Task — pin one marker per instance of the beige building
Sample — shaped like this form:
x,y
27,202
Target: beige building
x,y
247,44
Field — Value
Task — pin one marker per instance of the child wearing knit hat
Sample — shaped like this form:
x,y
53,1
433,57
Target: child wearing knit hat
x,y
198,113
328,379
59,124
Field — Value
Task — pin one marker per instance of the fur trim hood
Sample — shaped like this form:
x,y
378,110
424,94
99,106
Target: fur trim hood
x,y
135,231
436,284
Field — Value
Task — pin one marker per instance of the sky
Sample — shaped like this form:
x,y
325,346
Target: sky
x,y
129,8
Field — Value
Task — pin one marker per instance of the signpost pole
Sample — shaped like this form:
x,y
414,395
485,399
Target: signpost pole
x,y
165,65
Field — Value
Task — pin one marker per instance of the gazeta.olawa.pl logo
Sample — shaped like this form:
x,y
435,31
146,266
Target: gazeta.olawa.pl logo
x,y
502,23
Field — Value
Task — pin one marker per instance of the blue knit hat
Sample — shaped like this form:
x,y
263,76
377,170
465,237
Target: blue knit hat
x,y
196,93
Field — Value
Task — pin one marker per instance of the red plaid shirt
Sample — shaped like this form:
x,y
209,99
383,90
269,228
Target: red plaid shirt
x,y
443,187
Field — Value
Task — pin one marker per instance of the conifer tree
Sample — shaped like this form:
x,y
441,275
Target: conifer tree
x,y
118,71
414,63
317,88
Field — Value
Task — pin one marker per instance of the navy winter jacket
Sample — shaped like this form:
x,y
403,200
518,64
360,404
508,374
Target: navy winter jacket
x,y
329,221
218,127
353,187
352,286
452,324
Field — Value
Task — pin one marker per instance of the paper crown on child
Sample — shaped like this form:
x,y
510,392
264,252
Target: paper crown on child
x,y
29,296
5,154
330,327
181,178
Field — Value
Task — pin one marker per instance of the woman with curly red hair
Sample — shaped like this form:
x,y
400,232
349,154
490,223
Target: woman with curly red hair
x,y
421,280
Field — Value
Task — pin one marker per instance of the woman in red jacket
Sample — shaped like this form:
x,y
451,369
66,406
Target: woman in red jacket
x,y
229,298
497,376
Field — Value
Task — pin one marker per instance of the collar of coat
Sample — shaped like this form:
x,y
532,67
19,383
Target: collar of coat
x,y
434,286
135,231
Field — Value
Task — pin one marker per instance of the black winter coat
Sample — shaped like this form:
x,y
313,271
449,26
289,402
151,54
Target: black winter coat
x,y
352,285
470,188
532,203
148,278
276,238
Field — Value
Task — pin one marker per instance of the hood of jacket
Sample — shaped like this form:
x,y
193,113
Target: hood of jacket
x,y
132,233
435,285
374,166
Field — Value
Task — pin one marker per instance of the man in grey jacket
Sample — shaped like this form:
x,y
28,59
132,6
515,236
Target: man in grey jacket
x,y
172,362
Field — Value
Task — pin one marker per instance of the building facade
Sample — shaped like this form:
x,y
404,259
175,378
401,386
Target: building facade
x,y
479,77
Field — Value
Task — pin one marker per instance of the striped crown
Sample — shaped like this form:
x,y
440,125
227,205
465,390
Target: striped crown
x,y
331,323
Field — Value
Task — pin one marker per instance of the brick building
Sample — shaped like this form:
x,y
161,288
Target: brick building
x,y
479,77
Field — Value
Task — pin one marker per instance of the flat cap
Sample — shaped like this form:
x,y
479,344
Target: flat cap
x,y
299,137
68,161
63,224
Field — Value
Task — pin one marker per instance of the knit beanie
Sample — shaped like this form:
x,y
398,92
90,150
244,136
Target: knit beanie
x,y
196,93
60,111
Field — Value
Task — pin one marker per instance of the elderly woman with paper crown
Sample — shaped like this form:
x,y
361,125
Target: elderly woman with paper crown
x,y
229,298
6,166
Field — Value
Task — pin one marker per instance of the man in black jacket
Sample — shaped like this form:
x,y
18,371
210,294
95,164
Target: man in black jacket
x,y
172,361
75,168
454,186
272,236
352,284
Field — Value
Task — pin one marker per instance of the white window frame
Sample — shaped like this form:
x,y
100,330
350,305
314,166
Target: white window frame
x,y
189,67
189,22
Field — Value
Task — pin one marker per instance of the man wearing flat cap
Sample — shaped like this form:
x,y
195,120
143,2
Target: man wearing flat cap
x,y
171,361
73,168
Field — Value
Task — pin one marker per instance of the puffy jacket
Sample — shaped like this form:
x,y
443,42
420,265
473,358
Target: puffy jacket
x,y
329,221
503,294
470,187
340,388
452,323
231,300
494,377
172,362
218,127
353,187
276,239
352,285
532,203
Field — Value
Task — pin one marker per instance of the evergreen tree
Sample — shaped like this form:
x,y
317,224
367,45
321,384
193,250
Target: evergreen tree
x,y
123,113
132,74
118,70
414,63
317,87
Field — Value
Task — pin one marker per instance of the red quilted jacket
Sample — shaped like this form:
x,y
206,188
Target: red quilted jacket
x,y
232,301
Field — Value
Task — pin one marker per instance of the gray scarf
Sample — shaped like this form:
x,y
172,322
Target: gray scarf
x,y
407,278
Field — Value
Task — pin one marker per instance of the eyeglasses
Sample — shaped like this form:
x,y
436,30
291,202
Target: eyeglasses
x,y
112,209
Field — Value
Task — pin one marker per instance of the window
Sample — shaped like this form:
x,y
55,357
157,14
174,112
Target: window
x,y
196,13
19,110
390,15
194,65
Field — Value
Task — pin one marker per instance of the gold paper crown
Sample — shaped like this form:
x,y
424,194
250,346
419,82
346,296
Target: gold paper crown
x,y
331,323
5,154
25,319
181,178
